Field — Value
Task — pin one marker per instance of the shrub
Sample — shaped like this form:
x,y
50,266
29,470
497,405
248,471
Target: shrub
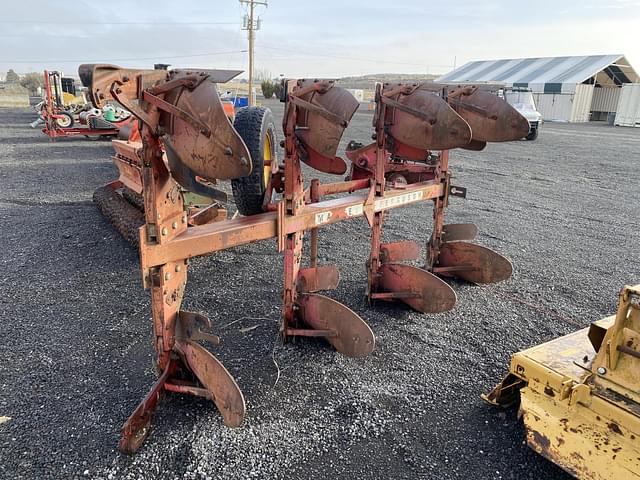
x,y
277,89
267,88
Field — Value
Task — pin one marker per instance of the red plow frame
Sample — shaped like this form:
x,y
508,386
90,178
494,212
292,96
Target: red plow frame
x,y
400,168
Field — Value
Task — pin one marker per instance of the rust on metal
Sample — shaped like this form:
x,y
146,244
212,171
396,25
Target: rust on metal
x,y
402,251
351,335
473,262
452,232
318,131
222,154
210,372
421,290
491,118
99,78
397,161
333,165
315,279
423,120
187,140
128,164
137,427
194,326
579,397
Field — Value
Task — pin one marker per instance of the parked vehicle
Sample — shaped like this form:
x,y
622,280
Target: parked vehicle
x,y
522,100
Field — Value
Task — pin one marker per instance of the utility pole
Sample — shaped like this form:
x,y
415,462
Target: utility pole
x,y
251,25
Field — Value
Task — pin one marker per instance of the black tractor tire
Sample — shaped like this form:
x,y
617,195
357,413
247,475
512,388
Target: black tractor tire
x,y
256,127
533,134
67,122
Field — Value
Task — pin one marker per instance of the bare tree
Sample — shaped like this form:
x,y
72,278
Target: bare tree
x,y
31,81
262,74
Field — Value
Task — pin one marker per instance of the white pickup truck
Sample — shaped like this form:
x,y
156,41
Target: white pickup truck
x,y
522,100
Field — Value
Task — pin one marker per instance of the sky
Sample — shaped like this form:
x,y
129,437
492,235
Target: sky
x,y
327,38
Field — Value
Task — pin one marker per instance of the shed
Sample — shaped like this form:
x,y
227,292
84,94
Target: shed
x,y
569,89
628,114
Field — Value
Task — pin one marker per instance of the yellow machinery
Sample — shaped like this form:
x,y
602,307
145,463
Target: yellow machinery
x,y
66,94
580,395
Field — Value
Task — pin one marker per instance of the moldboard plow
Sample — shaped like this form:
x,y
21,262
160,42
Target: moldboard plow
x,y
183,138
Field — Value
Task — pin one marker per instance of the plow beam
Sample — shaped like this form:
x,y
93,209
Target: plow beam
x,y
473,263
210,238
419,289
342,327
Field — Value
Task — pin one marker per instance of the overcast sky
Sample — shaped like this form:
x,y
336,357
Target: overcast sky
x,y
326,38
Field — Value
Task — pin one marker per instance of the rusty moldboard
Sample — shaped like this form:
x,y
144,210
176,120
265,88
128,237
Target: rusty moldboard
x,y
473,263
351,335
428,293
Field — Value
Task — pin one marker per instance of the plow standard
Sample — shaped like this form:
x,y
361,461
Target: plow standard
x,y
187,141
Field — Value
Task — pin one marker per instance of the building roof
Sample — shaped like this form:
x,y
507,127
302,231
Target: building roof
x,y
544,70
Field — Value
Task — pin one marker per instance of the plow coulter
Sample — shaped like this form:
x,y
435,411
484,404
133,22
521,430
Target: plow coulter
x,y
186,139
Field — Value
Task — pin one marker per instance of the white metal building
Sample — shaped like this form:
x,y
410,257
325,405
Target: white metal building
x,y
628,113
569,89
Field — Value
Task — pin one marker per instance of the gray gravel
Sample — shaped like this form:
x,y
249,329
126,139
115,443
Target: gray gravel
x,y
76,354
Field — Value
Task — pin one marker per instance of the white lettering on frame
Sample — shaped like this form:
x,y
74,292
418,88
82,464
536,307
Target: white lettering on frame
x,y
384,203
354,210
323,217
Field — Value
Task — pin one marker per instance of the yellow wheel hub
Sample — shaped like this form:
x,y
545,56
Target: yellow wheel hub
x,y
267,156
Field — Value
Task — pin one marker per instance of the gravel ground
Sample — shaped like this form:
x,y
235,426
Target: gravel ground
x,y
76,352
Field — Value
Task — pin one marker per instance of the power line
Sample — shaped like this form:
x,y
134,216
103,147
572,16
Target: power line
x,y
164,57
339,57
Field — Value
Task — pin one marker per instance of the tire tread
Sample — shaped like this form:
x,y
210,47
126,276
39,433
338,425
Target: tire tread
x,y
248,192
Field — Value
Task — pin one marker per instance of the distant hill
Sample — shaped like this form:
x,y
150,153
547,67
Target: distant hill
x,y
367,82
